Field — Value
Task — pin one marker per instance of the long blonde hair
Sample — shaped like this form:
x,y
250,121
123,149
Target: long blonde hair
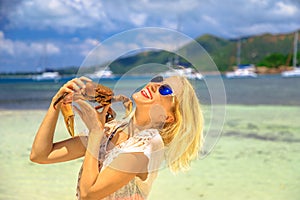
x,y
184,137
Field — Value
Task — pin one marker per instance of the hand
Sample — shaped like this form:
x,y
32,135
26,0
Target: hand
x,y
93,119
67,91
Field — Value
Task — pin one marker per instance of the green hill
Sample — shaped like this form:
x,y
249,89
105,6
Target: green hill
x,y
254,49
261,50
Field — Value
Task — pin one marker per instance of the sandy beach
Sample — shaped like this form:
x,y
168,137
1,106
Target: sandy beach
x,y
256,157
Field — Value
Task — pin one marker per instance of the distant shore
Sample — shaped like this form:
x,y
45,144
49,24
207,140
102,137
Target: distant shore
x,y
258,69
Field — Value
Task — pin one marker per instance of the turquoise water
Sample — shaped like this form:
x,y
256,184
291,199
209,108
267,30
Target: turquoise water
x,y
274,90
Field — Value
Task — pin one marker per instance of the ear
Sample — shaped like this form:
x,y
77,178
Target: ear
x,y
169,119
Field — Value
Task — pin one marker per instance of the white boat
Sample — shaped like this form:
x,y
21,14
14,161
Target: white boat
x,y
292,73
189,73
103,73
295,72
243,71
48,75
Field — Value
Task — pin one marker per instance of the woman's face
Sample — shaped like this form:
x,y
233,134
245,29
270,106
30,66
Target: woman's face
x,y
157,96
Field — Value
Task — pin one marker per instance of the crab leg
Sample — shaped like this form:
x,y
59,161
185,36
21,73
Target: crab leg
x,y
59,99
126,102
68,114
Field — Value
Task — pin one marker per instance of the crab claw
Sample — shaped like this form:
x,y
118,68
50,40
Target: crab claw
x,y
127,103
68,114
110,115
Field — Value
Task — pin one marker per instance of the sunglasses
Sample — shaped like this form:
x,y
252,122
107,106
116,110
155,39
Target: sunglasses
x,y
164,89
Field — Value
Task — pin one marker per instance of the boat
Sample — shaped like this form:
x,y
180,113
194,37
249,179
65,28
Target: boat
x,y
102,73
187,72
48,75
295,72
243,71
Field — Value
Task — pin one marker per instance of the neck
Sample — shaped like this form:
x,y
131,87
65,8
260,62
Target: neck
x,y
140,119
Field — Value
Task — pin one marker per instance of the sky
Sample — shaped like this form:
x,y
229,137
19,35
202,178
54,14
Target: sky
x,y
38,34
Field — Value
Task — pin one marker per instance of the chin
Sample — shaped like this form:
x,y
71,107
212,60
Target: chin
x,y
136,97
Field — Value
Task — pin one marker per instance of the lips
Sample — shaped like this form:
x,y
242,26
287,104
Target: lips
x,y
146,93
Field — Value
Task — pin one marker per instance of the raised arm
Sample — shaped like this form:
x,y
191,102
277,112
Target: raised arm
x,y
93,183
43,150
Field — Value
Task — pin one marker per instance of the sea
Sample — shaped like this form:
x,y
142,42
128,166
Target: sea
x,y
26,93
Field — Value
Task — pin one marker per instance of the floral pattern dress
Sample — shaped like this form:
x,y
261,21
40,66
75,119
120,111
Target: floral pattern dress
x,y
148,142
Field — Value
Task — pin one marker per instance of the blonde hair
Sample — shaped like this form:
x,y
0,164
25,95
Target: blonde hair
x,y
184,137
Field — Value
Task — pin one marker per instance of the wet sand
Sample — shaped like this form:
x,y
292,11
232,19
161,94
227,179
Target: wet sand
x,y
256,157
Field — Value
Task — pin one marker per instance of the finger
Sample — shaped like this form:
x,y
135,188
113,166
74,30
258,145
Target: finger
x,y
77,97
78,84
105,108
62,93
80,81
98,107
85,106
83,78
67,97
64,90
71,85
74,86
76,109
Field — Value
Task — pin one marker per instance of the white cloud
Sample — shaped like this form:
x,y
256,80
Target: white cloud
x,y
61,15
138,19
20,48
85,47
210,20
195,17
285,9
6,46
81,23
130,42
262,3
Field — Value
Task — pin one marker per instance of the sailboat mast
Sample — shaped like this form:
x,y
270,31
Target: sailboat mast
x,y
295,49
238,52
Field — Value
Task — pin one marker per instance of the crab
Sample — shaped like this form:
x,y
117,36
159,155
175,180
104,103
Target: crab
x,y
93,92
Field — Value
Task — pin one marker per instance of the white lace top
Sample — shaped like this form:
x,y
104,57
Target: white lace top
x,y
148,142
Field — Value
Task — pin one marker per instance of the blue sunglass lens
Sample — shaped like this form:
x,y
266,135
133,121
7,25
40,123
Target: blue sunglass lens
x,y
165,90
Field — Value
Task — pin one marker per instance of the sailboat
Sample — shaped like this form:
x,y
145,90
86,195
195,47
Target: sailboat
x,y
295,72
176,69
48,74
186,72
243,70
104,73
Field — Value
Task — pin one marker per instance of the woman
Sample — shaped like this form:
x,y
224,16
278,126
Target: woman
x,y
121,159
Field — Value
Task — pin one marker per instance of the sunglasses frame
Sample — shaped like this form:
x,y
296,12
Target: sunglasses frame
x,y
159,79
